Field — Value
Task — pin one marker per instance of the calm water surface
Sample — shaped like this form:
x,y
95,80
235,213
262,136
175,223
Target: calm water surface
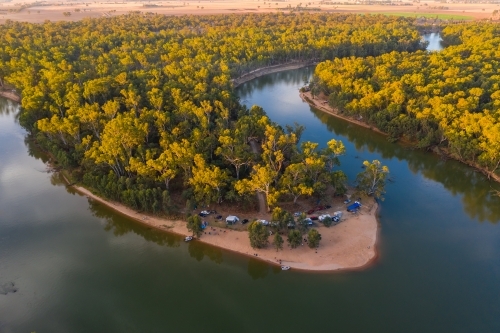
x,y
434,40
80,267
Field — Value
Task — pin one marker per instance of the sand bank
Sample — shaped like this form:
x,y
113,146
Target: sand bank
x,y
349,245
9,94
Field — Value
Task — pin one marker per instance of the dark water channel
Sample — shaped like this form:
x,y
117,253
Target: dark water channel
x,y
80,267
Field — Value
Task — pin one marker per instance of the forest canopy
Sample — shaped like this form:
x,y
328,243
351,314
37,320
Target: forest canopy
x,y
139,106
449,98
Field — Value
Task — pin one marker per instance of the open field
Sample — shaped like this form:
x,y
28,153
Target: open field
x,y
429,15
39,11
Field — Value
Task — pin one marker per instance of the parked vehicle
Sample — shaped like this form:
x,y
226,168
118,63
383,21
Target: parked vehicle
x,y
231,219
204,213
308,221
310,211
244,221
313,217
322,217
354,207
264,222
188,238
297,214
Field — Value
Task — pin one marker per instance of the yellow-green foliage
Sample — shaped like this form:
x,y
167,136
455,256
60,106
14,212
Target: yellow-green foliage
x,y
143,104
451,97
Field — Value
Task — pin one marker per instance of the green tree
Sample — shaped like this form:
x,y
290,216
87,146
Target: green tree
x,y
261,180
194,225
294,182
234,150
372,180
282,217
313,238
302,223
207,181
278,242
294,238
327,221
258,235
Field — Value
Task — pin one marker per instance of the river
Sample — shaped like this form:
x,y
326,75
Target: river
x,y
80,267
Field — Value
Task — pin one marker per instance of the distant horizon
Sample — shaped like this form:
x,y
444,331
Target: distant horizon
x,y
29,11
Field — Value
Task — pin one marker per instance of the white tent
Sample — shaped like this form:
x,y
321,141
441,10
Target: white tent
x,y
231,219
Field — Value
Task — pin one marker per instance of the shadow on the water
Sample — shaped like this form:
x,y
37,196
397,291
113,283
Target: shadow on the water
x,y
293,77
121,225
474,188
258,269
199,251
8,107
35,151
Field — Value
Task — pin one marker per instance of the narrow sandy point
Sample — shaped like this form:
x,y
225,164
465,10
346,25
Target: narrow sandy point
x,y
349,245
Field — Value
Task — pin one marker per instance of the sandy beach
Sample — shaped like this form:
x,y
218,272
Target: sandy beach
x,y
351,244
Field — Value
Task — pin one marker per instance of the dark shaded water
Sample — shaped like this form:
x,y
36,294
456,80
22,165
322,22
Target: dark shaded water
x,y
80,267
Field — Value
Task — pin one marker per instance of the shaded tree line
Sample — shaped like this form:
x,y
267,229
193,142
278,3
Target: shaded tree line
x,y
449,98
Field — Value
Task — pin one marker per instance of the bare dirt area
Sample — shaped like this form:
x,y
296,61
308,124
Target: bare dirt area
x,y
40,11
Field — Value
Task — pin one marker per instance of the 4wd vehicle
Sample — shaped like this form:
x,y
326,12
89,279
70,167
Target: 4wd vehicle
x,y
322,217
204,213
264,222
244,221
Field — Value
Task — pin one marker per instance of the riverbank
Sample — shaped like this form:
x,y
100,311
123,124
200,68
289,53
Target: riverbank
x,y
270,69
322,105
350,244
9,94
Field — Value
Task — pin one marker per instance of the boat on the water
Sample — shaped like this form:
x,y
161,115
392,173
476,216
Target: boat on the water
x,y
188,238
285,268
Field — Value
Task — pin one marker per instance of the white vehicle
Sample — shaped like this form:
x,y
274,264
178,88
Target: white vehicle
x,y
322,217
264,222
231,219
188,238
285,268
297,214
308,221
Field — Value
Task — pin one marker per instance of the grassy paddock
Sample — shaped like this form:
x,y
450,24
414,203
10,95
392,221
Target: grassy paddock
x,y
428,15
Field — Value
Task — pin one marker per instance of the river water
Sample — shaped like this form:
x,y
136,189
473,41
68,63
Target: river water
x,y
80,267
